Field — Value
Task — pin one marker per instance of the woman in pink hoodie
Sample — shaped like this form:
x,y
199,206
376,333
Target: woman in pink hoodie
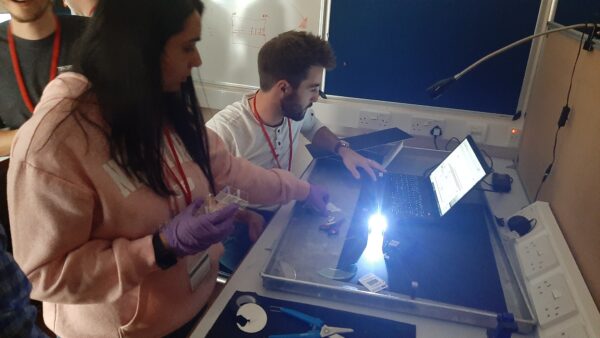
x,y
107,179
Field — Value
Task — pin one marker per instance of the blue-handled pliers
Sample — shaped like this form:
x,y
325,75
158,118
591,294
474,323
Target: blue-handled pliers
x,y
317,326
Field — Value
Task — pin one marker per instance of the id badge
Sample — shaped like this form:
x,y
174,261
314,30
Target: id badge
x,y
198,267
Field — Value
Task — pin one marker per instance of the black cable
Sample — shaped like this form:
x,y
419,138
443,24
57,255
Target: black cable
x,y
426,172
561,121
575,67
491,160
482,189
549,168
450,140
435,132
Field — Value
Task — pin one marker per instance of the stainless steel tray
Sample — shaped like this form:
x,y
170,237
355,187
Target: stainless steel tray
x,y
303,250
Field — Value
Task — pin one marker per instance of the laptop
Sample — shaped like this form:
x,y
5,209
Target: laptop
x,y
431,197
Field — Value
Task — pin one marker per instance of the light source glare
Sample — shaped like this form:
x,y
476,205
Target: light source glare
x,y
377,223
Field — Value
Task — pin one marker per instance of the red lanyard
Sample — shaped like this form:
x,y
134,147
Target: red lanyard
x,y
262,126
93,10
185,188
17,68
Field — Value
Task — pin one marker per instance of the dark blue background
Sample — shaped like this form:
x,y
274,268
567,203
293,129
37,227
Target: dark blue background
x,y
570,12
392,50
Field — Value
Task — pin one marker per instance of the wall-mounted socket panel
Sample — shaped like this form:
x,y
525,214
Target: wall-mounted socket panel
x,y
374,120
536,256
422,126
558,294
339,113
552,300
573,331
478,131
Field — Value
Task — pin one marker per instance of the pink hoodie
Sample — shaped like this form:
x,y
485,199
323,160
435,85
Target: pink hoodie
x,y
82,228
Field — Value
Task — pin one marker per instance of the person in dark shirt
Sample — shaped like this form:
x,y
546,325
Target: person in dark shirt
x,y
17,314
30,52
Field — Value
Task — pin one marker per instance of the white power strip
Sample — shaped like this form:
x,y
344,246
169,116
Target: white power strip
x,y
559,296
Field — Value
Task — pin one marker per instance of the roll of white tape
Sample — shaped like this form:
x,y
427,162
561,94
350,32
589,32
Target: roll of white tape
x,y
255,317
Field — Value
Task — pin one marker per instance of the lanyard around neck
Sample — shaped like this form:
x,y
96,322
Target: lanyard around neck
x,y
17,67
262,127
183,184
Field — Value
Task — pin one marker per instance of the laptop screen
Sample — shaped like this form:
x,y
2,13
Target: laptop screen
x,y
457,174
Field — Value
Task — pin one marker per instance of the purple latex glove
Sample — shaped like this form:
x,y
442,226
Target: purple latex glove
x,y
317,199
188,234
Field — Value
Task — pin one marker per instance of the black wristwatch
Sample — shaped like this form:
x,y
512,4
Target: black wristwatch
x,y
165,258
340,144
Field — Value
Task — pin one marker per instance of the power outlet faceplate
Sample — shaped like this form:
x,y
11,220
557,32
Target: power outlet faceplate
x,y
422,126
536,256
573,331
552,300
374,120
478,132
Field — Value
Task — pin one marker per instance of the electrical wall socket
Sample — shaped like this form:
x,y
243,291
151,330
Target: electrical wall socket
x,y
573,331
536,256
422,126
477,131
374,120
552,300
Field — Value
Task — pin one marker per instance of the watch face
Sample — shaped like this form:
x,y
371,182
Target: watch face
x,y
340,144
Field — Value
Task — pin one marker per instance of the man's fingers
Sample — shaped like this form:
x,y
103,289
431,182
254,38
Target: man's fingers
x,y
370,172
353,171
375,165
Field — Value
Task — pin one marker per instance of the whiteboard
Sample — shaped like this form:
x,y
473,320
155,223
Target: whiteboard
x,y
233,31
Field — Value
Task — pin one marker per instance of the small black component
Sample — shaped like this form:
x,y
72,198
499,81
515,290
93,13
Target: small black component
x,y
564,116
501,182
517,115
436,131
589,42
519,224
164,257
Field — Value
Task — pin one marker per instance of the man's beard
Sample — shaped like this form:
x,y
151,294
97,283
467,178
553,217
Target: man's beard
x,y
292,109
33,16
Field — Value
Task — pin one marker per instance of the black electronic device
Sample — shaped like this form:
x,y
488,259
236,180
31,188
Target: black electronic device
x,y
519,224
431,197
501,182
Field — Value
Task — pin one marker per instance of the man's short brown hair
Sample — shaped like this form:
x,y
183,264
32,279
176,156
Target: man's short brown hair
x,y
289,56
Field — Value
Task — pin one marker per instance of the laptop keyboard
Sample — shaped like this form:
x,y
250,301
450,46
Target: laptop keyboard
x,y
403,196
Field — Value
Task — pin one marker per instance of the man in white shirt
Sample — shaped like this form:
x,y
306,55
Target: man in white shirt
x,y
264,126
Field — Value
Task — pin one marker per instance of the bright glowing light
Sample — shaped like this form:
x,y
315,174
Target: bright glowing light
x,y
373,253
378,223
514,131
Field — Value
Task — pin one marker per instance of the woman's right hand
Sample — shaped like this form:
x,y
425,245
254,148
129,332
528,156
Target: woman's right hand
x,y
187,234
317,199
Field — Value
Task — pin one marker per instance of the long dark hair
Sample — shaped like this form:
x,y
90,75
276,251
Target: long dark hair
x,y
120,54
